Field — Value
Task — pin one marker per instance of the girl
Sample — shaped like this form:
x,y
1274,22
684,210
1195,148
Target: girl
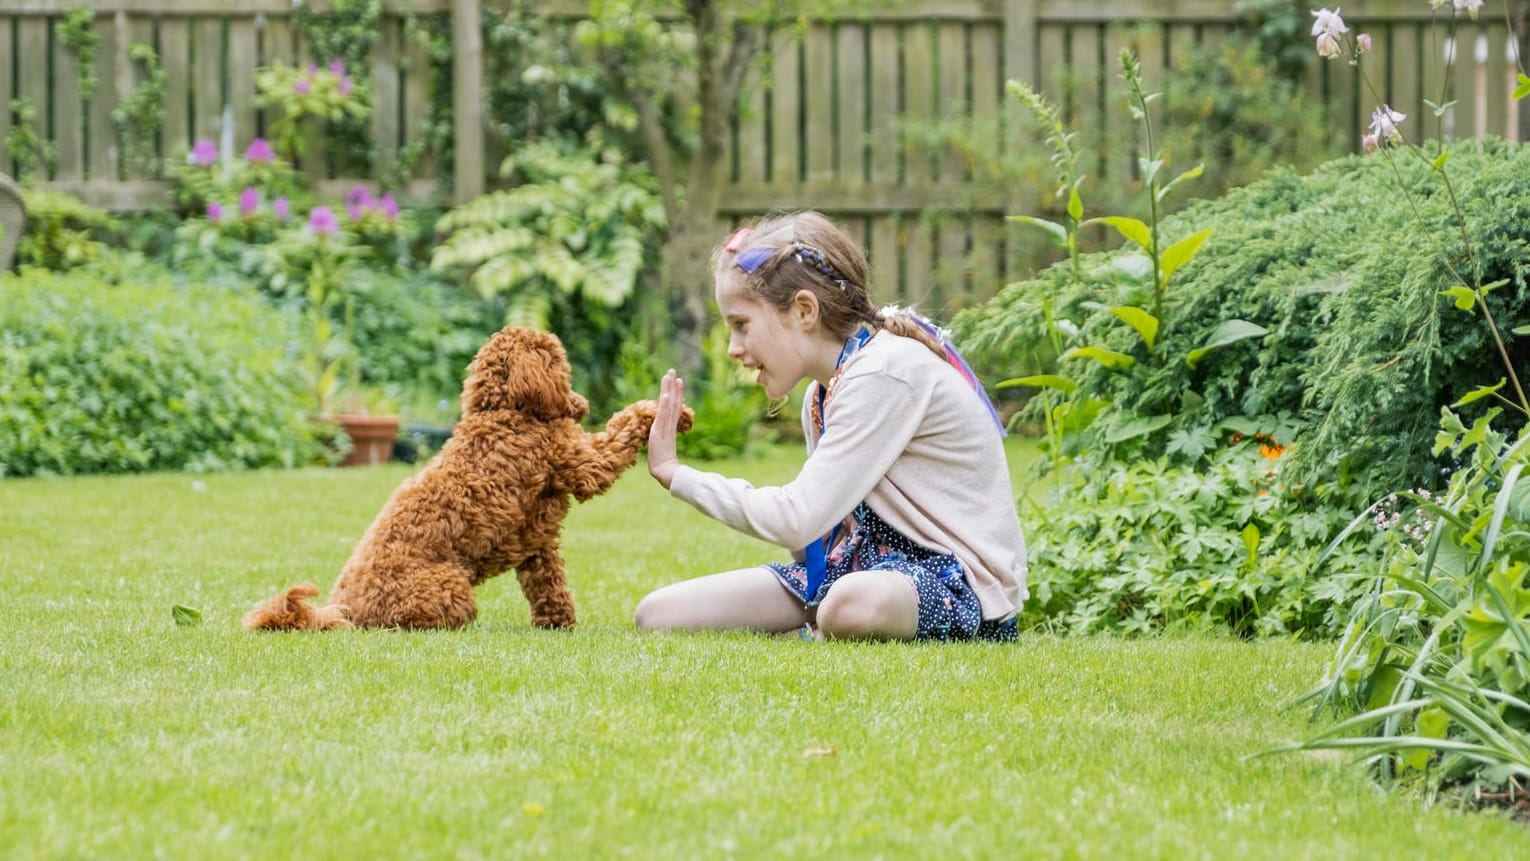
x,y
902,520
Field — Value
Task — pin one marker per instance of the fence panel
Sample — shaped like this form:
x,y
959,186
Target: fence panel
x,y
827,125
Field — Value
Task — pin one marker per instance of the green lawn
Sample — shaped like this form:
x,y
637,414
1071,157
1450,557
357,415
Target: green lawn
x,y
124,736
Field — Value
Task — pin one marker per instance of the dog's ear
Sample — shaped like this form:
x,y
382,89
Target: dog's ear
x,y
524,370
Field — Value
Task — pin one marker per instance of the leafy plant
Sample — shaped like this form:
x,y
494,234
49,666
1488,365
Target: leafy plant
x,y
309,101
126,371
62,231
29,151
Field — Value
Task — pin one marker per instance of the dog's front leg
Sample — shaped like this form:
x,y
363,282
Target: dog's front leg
x,y
546,590
601,457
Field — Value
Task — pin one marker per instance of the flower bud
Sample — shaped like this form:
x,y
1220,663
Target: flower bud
x,y
1327,46
1363,42
1370,144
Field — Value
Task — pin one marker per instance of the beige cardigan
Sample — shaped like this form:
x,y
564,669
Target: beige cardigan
x,y
906,434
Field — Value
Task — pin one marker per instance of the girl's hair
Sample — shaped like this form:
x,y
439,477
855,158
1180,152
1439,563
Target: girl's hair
x,y
785,253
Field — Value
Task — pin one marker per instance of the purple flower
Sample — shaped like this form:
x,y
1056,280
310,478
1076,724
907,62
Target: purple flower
x,y
346,85
312,70
259,151
282,207
214,210
204,153
358,202
249,201
337,68
389,206
322,220
301,87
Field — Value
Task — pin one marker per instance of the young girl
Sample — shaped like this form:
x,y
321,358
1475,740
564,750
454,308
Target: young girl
x,y
902,521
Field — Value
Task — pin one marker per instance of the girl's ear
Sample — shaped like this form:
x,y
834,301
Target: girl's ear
x,y
804,309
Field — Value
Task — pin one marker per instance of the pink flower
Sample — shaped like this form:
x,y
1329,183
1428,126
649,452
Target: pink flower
x,y
359,202
259,151
346,85
337,68
249,201
389,206
1327,46
301,86
214,210
1363,42
282,207
322,220
1370,143
204,153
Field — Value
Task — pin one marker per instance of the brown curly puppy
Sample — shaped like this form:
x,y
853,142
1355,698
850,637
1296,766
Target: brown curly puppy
x,y
493,499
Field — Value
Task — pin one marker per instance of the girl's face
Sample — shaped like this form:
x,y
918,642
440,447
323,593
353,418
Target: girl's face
x,y
780,345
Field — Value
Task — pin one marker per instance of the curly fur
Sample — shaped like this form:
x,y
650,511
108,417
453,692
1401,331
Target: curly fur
x,y
492,500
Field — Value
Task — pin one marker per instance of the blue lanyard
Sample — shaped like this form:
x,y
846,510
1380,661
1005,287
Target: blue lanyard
x,y
813,555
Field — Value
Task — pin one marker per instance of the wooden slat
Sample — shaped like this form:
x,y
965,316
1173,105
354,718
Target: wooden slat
x,y
100,145
207,79
385,90
886,150
987,241
243,58
1431,58
853,135
752,139
952,107
416,92
1463,114
175,59
68,110
1499,73
785,108
884,254
1121,137
918,261
818,135
919,99
988,97
1086,113
7,89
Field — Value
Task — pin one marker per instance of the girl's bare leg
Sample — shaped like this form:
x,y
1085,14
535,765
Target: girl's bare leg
x,y
750,599
870,605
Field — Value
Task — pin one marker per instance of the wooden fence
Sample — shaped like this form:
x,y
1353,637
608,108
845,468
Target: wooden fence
x,y
823,125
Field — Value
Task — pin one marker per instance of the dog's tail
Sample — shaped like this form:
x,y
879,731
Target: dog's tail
x,y
290,611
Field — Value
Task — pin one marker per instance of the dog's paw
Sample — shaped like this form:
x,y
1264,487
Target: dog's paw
x,y
687,420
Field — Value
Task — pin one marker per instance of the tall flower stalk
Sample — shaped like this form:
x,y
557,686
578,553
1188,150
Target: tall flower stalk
x,y
1334,40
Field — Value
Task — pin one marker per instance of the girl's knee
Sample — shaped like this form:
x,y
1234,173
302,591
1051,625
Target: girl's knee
x,y
651,614
869,604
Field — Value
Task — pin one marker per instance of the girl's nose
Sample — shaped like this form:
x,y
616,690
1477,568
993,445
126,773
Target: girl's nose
x,y
735,349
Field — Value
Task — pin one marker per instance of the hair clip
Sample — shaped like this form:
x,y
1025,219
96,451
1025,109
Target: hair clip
x,y
737,239
754,258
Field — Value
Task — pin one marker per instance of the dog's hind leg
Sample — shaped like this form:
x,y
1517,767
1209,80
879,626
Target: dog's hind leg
x,y
431,596
546,589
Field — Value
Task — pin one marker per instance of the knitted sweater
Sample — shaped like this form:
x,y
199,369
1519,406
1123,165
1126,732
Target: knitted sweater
x,y
906,434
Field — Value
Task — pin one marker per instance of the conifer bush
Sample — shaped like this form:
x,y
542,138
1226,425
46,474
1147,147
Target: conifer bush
x,y
1363,347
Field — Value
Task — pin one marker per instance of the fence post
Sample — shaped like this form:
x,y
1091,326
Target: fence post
x,y
467,101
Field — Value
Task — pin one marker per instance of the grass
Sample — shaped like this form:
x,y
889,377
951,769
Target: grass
x,y
124,736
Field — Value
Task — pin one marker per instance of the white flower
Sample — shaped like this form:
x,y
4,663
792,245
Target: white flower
x,y
1470,6
1327,47
1370,143
1328,23
1384,122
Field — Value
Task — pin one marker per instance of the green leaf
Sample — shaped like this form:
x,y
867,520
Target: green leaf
x,y
1133,229
1192,173
1183,252
1145,324
1521,330
1042,381
1229,332
1250,535
1109,358
1075,205
1150,169
186,617
1136,426
1059,233
1466,297
1523,89
1432,722
1438,109
1479,393
1439,160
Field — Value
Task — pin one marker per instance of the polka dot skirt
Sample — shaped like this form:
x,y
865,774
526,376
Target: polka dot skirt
x,y
948,608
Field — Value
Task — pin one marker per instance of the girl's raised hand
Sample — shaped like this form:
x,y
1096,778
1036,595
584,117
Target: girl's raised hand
x,y
662,459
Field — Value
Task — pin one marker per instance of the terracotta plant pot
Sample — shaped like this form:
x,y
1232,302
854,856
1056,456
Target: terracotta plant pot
x,y
371,437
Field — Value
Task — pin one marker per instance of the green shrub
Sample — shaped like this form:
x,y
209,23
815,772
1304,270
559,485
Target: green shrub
x,y
1362,349
105,375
